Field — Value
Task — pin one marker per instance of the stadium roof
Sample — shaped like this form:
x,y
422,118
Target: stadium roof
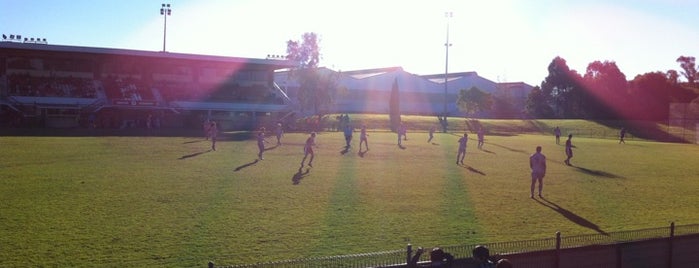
x,y
279,63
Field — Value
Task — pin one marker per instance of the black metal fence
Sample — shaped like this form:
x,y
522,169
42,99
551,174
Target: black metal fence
x,y
399,258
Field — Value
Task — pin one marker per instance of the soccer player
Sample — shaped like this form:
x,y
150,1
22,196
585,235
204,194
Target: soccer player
x,y
279,132
402,132
308,149
557,132
261,143
348,135
363,138
462,149
481,137
569,149
432,129
213,133
622,134
537,163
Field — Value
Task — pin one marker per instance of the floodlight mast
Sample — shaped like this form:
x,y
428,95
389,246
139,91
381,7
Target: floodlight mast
x,y
165,11
448,15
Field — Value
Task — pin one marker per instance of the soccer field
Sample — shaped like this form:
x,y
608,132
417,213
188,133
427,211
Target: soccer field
x,y
170,201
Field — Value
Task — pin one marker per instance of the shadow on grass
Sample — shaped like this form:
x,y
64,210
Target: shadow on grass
x,y
598,173
188,142
192,155
362,153
571,216
509,149
402,147
487,151
247,165
296,179
470,168
271,148
345,150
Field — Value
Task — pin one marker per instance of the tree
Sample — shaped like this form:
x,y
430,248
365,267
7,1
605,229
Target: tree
x,y
316,88
563,90
605,90
538,104
394,106
473,101
689,68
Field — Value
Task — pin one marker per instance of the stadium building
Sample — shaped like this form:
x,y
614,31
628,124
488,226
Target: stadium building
x,y
45,85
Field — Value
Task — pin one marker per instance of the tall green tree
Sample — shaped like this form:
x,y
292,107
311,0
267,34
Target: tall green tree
x,y
473,101
538,104
394,106
605,90
563,90
316,87
689,68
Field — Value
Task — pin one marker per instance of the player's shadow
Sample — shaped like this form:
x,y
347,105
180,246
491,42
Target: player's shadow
x,y
509,149
192,155
362,153
434,143
402,147
188,142
345,150
571,216
598,173
487,151
296,179
247,165
469,168
271,148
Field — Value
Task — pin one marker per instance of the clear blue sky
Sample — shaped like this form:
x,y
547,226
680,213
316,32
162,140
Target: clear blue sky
x,y
502,40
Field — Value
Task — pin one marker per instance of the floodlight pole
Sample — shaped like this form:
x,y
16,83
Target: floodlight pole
x,y
448,15
165,11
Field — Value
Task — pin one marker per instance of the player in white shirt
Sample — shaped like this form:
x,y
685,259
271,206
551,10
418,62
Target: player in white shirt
x,y
462,149
537,163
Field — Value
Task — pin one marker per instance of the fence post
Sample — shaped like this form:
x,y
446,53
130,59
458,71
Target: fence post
x,y
558,249
409,253
672,236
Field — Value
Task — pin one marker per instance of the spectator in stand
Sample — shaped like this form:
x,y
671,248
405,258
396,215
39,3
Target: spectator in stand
x,y
438,258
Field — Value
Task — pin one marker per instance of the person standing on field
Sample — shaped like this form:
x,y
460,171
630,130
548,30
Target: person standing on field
x,y
481,137
622,134
308,149
462,149
213,133
569,149
557,132
279,132
363,138
431,133
261,143
537,163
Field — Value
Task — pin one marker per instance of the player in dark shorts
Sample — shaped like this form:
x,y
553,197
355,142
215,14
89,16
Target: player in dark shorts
x,y
462,149
308,149
569,149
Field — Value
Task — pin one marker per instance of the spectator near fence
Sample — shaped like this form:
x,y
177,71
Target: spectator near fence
x,y
481,254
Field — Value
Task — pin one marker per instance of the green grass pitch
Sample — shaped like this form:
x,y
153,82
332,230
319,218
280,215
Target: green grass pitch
x,y
170,201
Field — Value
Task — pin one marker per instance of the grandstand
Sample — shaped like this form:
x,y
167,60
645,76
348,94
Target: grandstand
x,y
69,86
57,86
